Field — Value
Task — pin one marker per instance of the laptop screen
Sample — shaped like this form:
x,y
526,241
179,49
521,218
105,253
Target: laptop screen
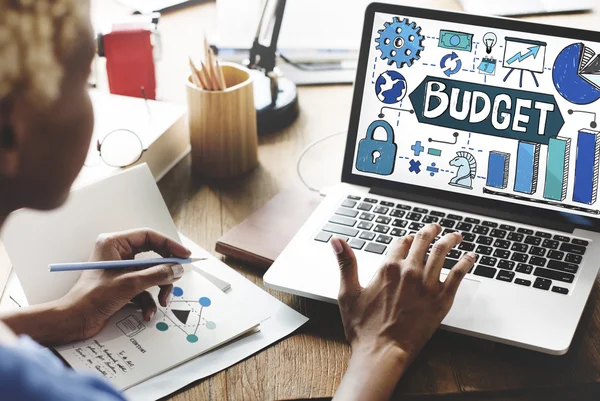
x,y
493,113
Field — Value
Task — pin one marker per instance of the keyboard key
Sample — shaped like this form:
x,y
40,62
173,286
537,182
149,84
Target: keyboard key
x,y
385,203
563,267
379,228
490,224
485,271
488,261
430,219
560,290
367,216
383,220
353,197
576,249
375,248
323,237
454,254
448,231
554,275
447,223
403,207
520,281
542,284
369,236
414,216
365,225
501,253
580,242
502,244
537,251
356,243
531,240
484,250
498,233
397,213
349,203
365,206
342,211
557,255
336,229
525,231
519,257
454,217
384,239
573,258
464,226
519,248
381,210
342,237
515,237
420,210
507,227
481,230
416,226
537,261
482,239
466,246
543,234
437,214
398,232
400,223
524,268
506,264
562,238
472,221
505,275
371,200
550,244
468,237
345,221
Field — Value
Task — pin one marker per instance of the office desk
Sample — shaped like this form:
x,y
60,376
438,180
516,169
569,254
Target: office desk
x,y
311,363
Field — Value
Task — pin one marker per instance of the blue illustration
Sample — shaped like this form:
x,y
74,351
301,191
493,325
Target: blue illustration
x,y
467,170
400,42
576,74
433,169
391,87
417,148
377,157
445,65
415,166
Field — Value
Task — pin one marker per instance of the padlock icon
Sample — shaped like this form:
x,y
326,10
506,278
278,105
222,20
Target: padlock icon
x,y
378,157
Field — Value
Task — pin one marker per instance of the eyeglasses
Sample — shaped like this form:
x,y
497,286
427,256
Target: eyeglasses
x,y
119,148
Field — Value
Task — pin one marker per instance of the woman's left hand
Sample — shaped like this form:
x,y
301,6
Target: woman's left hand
x,y
98,294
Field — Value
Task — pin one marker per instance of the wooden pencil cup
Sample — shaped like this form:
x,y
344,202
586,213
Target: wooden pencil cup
x,y
223,131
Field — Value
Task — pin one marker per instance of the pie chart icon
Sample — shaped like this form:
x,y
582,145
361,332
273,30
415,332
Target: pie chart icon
x,y
576,74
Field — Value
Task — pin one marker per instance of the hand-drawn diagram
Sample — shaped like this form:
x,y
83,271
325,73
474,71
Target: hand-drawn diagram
x,y
456,40
557,169
587,162
400,42
455,135
447,61
131,325
415,166
593,123
498,168
391,87
528,163
524,55
377,157
467,170
576,74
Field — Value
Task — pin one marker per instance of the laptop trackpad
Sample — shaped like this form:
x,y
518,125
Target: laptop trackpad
x,y
462,309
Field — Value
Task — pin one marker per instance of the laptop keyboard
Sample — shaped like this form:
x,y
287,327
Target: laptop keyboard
x,y
505,252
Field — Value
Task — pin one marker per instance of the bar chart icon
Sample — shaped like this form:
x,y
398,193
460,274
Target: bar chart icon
x,y
586,167
528,163
557,168
498,166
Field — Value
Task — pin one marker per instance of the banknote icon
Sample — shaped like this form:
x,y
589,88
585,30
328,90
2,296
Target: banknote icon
x,y
456,40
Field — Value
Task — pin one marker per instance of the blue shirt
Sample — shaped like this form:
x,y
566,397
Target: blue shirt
x,y
29,372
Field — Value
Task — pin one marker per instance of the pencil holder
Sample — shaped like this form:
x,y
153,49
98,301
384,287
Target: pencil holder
x,y
223,131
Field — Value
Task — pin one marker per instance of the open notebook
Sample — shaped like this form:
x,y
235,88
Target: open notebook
x,y
200,316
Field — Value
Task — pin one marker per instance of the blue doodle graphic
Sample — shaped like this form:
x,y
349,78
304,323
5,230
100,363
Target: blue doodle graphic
x,y
433,169
377,157
576,74
400,42
415,166
467,170
417,148
457,64
391,87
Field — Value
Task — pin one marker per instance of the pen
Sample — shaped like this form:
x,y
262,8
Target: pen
x,y
120,264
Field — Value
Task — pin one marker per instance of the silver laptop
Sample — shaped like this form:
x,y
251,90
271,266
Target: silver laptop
x,y
488,127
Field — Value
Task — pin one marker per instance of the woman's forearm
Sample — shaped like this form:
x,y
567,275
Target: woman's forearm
x,y
373,374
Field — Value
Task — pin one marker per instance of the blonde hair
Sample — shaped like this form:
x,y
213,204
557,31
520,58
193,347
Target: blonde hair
x,y
36,37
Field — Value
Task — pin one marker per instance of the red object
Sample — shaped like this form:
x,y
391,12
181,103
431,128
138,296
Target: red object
x,y
130,63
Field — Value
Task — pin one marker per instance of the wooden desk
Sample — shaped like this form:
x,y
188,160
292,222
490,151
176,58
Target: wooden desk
x,y
311,363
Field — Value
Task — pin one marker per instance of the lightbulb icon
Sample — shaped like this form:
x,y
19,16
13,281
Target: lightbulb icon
x,y
490,39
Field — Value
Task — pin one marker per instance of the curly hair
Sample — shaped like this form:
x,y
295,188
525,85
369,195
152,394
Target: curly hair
x,y
36,38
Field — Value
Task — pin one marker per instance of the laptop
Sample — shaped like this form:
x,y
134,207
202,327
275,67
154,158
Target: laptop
x,y
486,126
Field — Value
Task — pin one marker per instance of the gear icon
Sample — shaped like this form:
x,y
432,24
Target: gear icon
x,y
400,42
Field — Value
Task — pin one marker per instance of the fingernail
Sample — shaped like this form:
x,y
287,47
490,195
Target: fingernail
x,y
472,255
152,315
177,271
337,246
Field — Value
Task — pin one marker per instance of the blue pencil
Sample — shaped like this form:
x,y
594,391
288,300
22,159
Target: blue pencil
x,y
120,264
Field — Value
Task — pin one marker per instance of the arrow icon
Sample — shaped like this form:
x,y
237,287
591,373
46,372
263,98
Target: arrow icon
x,y
452,57
533,51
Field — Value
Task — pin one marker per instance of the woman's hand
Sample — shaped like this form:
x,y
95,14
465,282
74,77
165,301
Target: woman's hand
x,y
388,322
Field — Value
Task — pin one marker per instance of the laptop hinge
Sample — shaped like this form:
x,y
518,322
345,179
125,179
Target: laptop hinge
x,y
470,208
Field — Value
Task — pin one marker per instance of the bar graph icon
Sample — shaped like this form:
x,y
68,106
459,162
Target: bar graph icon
x,y
586,167
528,163
557,169
498,166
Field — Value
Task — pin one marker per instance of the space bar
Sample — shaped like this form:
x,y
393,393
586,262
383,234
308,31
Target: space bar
x,y
448,263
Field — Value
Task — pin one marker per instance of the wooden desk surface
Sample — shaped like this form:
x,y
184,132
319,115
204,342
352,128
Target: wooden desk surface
x,y
310,363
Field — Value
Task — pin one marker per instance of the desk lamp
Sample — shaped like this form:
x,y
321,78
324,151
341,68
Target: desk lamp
x,y
275,97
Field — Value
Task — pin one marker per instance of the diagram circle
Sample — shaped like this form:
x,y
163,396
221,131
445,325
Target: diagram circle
x,y
177,291
211,325
192,338
391,87
204,301
162,326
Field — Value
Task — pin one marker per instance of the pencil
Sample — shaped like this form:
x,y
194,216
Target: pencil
x,y
206,74
195,76
121,264
213,69
221,76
